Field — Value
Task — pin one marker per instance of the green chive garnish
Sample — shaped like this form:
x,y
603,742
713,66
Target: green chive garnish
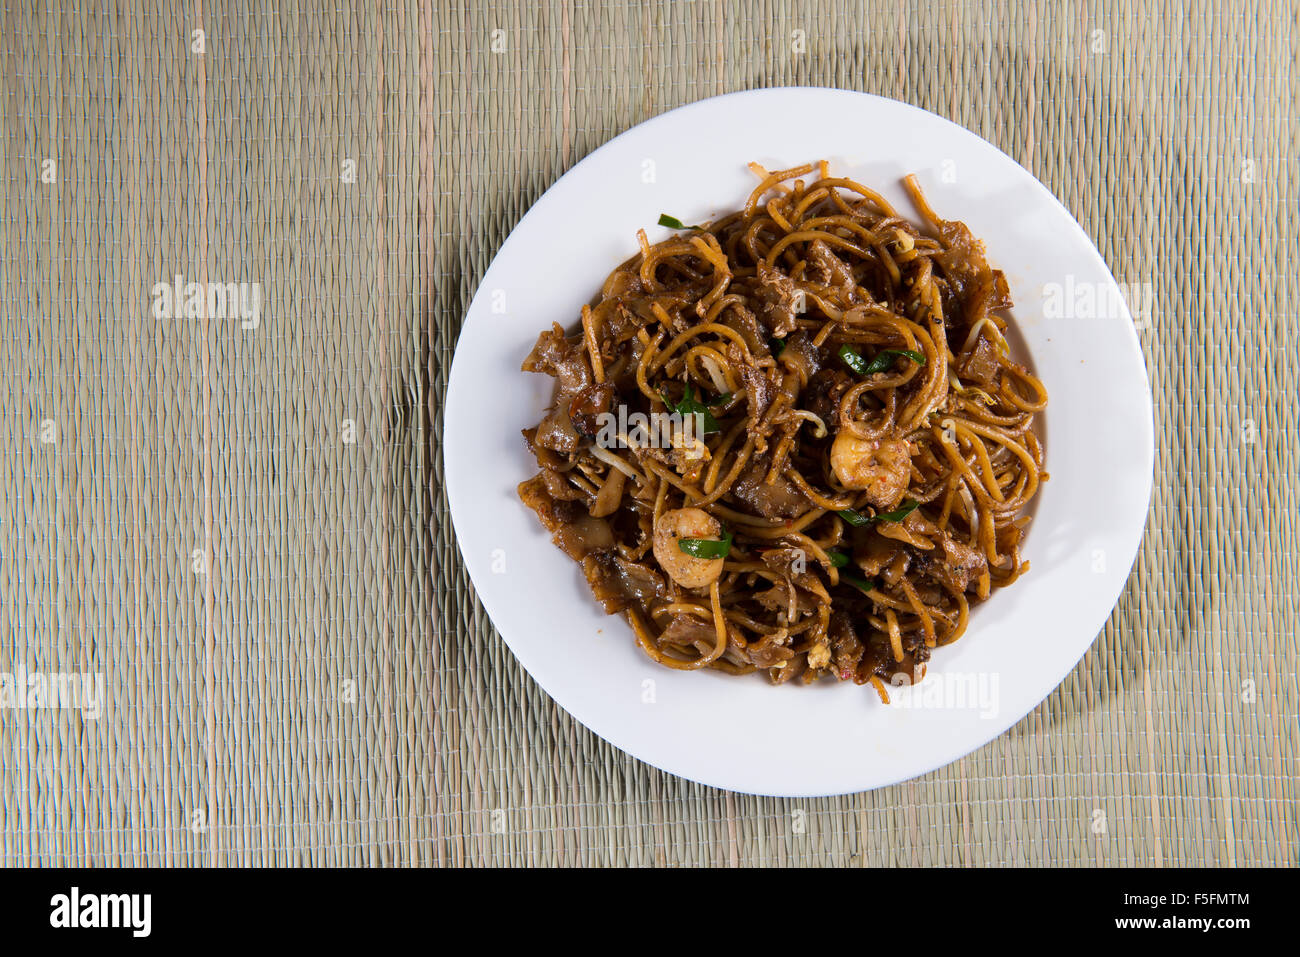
x,y
853,359
706,547
859,583
838,559
858,520
672,222
885,358
908,507
691,406
882,361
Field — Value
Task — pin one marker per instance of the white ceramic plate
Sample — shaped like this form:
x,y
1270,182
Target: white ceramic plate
x,y
828,738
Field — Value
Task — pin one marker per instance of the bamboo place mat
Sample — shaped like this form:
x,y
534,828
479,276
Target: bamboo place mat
x,y
243,532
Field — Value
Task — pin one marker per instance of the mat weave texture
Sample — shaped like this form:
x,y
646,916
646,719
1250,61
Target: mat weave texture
x,y
239,522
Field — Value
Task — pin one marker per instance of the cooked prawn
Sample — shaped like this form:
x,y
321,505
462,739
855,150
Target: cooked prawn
x,y
687,570
880,467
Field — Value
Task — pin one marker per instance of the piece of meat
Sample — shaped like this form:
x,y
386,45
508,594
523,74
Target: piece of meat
x,y
877,659
915,530
777,598
1000,297
800,351
980,364
621,323
546,458
792,565
846,649
1008,537
559,504
787,562
781,499
587,407
777,298
553,513
790,671
560,488
584,535
828,269
959,566
554,355
743,321
623,282
963,263
618,583
770,650
687,631
759,388
962,260
822,395
873,552
556,431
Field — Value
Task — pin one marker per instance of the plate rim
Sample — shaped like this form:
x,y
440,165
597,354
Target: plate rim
x,y
1135,531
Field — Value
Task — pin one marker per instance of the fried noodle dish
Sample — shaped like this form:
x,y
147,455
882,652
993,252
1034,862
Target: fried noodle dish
x,y
794,439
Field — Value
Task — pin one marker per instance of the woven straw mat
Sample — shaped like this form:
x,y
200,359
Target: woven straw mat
x,y
241,526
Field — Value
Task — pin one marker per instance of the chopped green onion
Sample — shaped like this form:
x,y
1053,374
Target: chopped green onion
x,y
858,520
882,361
859,583
778,346
838,559
907,509
691,406
853,359
672,222
885,358
706,547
